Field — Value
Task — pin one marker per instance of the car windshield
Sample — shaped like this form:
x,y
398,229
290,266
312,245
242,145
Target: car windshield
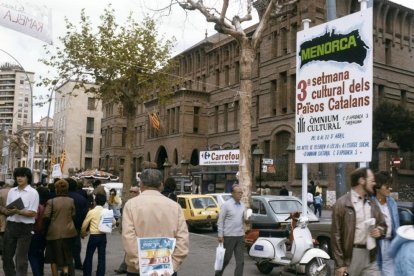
x,y
285,206
203,202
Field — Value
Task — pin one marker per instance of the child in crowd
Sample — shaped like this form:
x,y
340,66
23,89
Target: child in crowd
x,y
317,202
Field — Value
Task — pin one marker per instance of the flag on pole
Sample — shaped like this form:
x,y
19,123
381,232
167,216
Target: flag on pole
x,y
155,121
27,17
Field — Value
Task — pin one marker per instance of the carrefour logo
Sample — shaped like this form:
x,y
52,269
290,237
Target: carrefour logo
x,y
220,157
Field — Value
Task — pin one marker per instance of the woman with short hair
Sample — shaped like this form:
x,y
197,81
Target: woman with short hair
x,y
61,232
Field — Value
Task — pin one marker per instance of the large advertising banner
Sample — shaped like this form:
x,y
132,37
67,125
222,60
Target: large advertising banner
x,y
219,157
334,91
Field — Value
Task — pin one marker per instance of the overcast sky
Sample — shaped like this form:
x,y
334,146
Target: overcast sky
x,y
187,29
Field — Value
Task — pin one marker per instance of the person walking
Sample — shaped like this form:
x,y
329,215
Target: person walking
x,y
389,210
284,191
81,209
37,248
169,188
353,227
317,201
114,204
18,232
231,230
97,239
122,269
5,188
153,215
401,250
61,232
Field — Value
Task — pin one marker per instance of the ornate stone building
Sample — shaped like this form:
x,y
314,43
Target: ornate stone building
x,y
204,110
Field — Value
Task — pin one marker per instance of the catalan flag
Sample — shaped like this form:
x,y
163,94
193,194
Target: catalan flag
x,y
155,120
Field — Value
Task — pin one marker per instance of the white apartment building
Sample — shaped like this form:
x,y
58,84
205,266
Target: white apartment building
x,y
77,128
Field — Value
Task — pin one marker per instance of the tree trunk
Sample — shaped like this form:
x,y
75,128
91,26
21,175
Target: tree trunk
x,y
246,91
130,113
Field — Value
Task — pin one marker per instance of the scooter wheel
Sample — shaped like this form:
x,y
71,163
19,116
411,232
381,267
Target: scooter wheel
x,y
264,267
311,268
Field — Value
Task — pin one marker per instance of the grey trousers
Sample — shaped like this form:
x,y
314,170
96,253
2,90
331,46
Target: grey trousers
x,y
17,238
236,245
361,265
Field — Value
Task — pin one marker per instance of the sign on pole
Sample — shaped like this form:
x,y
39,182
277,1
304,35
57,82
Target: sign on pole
x,y
334,91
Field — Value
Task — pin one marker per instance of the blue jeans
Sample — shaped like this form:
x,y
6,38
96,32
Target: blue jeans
x,y
137,274
37,254
95,241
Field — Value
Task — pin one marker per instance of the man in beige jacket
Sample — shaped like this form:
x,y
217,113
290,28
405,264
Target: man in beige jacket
x,y
153,215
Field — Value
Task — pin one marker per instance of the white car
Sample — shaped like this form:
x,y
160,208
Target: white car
x,y
221,197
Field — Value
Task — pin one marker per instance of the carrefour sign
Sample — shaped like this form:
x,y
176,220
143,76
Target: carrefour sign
x,y
220,157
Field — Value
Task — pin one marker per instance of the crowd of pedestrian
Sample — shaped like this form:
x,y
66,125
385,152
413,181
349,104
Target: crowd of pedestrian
x,y
45,226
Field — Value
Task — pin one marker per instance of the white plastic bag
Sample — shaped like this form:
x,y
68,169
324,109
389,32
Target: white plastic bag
x,y
105,223
218,264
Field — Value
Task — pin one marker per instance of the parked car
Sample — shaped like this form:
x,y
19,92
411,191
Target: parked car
x,y
221,197
199,210
271,212
322,231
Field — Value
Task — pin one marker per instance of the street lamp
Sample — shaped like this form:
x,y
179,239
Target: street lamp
x,y
259,152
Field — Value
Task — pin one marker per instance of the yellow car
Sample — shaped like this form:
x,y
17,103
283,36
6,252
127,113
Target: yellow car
x,y
199,210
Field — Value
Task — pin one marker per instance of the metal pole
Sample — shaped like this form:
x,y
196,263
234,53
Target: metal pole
x,y
46,130
31,141
260,175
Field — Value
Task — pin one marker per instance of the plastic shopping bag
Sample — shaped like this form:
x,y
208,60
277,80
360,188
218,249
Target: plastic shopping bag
x,y
218,264
105,222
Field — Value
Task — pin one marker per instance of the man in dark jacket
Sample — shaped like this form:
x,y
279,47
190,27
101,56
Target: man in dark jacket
x,y
81,209
356,223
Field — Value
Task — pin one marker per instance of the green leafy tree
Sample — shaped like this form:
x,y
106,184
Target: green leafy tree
x,y
395,122
128,63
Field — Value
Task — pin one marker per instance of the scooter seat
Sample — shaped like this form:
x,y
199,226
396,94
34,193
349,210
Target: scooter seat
x,y
274,233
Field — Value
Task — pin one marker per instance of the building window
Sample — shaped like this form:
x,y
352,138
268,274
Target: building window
x,y
88,163
91,103
236,115
216,114
217,78
237,72
226,116
124,132
403,98
196,119
226,75
388,48
273,96
283,91
89,145
90,121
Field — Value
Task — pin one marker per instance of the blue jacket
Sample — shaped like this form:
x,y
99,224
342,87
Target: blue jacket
x,y
395,221
401,250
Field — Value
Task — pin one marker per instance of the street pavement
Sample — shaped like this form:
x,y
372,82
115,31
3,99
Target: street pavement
x,y
200,261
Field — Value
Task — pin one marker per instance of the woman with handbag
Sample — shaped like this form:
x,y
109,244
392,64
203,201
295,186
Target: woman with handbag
x,y
61,232
114,204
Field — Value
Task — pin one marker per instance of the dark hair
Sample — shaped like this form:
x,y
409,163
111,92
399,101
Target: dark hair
x,y
151,178
73,185
100,199
234,186
311,182
317,193
96,183
112,190
61,187
22,171
43,195
170,185
357,174
381,178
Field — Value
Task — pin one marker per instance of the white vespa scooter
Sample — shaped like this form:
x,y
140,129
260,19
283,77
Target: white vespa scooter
x,y
269,252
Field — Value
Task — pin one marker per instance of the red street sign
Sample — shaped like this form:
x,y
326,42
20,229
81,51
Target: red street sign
x,y
396,161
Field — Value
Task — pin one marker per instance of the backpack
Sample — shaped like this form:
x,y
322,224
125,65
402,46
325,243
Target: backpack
x,y
105,222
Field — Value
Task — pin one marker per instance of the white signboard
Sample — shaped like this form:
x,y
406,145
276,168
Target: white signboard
x,y
334,91
267,161
220,157
28,17
56,171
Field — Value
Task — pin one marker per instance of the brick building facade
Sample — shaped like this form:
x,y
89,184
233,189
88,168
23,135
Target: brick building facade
x,y
204,110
